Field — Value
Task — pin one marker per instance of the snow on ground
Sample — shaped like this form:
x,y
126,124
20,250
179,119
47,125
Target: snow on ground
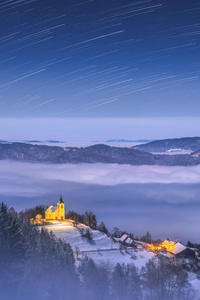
x,y
101,249
139,257
195,282
104,251
173,152
196,285
72,235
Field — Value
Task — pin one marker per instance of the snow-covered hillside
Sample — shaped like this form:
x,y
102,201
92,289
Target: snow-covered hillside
x,y
102,248
72,235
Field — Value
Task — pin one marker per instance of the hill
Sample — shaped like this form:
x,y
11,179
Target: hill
x,y
104,251
93,154
127,141
101,248
171,145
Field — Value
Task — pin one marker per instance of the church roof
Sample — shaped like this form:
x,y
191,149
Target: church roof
x,y
51,208
54,208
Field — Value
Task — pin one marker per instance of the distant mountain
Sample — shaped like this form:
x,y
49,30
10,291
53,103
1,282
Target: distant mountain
x,y
33,141
171,145
127,141
48,141
3,141
53,141
94,154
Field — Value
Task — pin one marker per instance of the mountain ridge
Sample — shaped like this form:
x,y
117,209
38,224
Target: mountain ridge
x,y
185,143
98,153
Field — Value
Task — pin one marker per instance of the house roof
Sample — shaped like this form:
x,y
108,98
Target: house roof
x,y
178,248
129,240
170,242
123,237
38,216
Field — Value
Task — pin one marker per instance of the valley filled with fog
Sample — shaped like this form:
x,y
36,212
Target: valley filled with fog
x,y
137,199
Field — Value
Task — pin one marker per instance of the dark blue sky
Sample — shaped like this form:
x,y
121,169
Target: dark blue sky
x,y
99,59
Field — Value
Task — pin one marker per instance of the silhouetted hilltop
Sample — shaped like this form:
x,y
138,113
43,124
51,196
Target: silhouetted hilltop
x,y
94,154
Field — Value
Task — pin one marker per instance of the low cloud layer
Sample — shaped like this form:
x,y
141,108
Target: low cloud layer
x,y
24,175
162,200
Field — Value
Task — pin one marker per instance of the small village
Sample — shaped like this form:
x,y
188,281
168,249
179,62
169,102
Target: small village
x,y
173,248
55,215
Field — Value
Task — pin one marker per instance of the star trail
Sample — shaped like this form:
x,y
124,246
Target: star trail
x,y
94,58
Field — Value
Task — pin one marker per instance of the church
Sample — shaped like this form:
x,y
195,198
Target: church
x,y
56,212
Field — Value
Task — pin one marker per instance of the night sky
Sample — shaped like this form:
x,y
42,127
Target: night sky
x,y
99,58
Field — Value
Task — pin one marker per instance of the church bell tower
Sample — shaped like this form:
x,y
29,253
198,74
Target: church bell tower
x,y
61,209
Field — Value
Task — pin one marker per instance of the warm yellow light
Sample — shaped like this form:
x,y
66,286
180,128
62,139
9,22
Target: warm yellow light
x,y
167,245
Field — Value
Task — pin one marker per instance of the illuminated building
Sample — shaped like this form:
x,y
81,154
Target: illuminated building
x,y
56,212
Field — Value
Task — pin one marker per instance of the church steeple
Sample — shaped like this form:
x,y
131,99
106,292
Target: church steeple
x,y
61,199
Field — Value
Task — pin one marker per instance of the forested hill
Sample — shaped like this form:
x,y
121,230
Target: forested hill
x,y
184,144
94,154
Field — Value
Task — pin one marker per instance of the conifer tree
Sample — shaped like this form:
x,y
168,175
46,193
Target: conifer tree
x,y
90,220
102,228
11,239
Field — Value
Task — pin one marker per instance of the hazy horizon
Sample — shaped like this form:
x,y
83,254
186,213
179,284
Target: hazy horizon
x,y
84,130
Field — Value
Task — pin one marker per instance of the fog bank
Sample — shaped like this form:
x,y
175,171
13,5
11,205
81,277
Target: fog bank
x,y
162,200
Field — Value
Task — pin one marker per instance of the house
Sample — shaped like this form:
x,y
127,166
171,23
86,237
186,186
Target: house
x,y
38,217
180,251
126,240
168,245
56,212
37,221
123,238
